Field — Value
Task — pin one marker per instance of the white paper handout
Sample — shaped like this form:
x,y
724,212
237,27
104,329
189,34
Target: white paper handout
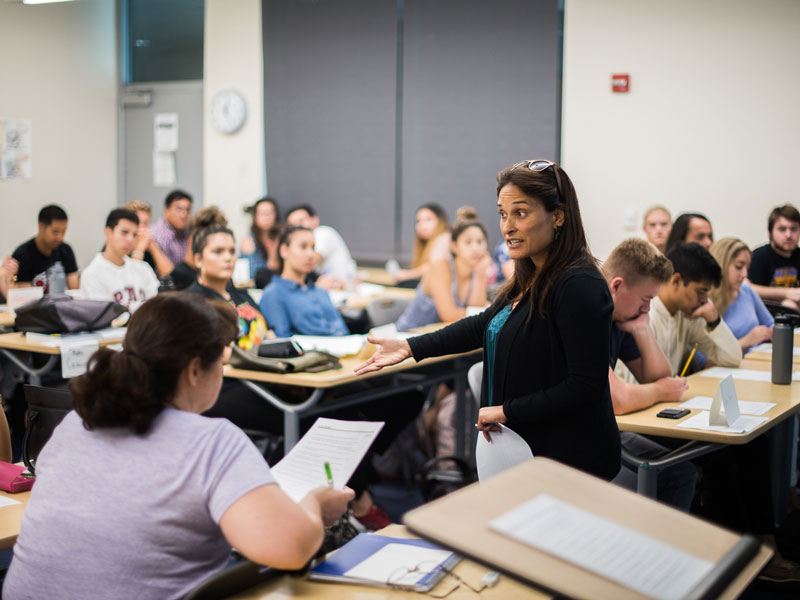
x,y
386,565
745,407
744,424
6,501
506,450
767,348
338,345
342,444
389,332
19,296
612,550
744,374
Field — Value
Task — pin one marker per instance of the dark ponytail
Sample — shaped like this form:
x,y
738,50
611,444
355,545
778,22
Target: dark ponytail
x,y
130,388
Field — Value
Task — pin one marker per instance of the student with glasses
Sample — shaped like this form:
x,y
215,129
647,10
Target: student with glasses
x,y
545,338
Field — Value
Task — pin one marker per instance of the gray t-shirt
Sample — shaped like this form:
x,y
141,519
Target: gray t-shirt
x,y
116,515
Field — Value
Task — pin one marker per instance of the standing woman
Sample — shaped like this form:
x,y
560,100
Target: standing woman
x,y
545,338
431,240
178,489
743,310
455,282
260,246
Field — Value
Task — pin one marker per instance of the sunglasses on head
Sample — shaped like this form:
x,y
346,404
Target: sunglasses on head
x,y
540,164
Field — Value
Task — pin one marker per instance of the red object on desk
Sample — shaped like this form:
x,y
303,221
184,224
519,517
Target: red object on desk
x,y
12,480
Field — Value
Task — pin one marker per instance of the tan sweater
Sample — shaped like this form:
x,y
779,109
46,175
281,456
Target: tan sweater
x,y
676,334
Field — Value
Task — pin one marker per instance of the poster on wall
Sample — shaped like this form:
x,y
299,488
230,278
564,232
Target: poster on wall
x,y
15,149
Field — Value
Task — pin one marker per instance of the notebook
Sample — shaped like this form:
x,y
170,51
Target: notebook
x,y
372,559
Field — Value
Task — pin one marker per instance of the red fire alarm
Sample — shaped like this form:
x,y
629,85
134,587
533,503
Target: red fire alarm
x,y
620,82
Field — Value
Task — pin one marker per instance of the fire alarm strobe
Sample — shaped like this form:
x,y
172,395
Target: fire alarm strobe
x,y
620,82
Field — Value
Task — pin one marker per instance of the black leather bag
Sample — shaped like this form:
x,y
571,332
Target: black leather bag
x,y
47,407
60,313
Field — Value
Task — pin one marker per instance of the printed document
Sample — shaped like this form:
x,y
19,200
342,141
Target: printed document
x,y
342,444
614,551
744,374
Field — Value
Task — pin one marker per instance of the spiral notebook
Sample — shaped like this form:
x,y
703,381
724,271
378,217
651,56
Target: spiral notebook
x,y
378,560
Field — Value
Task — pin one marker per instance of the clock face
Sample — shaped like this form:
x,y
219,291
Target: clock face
x,y
228,111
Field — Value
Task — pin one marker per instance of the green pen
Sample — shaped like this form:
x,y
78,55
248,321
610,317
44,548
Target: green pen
x,y
328,474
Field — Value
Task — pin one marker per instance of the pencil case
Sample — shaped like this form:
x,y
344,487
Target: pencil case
x,y
12,480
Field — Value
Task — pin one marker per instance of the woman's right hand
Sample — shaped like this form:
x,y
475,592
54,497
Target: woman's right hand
x,y
389,352
332,503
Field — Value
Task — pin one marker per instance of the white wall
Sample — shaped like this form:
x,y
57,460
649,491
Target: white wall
x,y
233,58
60,71
711,123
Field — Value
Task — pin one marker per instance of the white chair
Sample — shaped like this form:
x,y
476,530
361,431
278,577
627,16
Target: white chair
x,y
382,311
475,381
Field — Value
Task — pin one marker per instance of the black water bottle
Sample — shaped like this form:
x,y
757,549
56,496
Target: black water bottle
x,y
782,350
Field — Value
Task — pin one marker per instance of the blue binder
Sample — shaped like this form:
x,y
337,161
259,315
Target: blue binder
x,y
364,545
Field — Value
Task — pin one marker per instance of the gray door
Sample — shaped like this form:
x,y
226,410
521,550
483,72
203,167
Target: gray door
x,y
184,98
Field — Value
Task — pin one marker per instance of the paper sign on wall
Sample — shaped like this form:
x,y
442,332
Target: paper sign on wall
x,y
165,134
724,396
75,357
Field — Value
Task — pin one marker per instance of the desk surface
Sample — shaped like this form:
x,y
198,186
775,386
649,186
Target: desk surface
x,y
376,275
7,316
11,517
785,397
357,301
286,587
334,377
459,521
16,341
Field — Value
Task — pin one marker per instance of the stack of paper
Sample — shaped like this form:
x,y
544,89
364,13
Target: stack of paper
x,y
338,345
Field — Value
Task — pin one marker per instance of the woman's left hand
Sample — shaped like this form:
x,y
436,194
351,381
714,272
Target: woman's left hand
x,y
489,419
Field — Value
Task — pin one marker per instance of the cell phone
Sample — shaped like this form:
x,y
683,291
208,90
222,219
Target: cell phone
x,y
286,348
673,413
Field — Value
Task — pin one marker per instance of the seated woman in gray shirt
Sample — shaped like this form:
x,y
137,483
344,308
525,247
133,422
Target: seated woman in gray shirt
x,y
137,494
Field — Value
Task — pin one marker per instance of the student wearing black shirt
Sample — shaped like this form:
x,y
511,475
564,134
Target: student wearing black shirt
x,y
48,247
774,269
546,337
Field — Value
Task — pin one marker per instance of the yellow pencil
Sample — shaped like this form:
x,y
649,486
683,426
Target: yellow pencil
x,y
688,360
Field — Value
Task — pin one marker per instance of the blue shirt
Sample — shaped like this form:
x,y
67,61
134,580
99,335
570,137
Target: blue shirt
x,y
746,312
291,308
492,331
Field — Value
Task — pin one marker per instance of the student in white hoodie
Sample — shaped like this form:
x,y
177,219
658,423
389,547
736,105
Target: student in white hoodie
x,y
112,274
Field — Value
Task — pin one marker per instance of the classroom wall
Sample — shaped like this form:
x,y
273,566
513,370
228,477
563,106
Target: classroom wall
x,y
710,124
234,164
60,70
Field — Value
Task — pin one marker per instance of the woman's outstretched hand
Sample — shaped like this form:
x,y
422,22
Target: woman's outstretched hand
x,y
389,352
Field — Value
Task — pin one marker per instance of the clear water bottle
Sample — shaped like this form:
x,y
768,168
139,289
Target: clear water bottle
x,y
782,350
56,279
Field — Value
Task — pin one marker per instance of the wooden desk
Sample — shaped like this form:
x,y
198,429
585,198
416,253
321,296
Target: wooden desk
x,y
287,587
11,517
785,397
459,521
357,301
767,356
7,317
16,342
320,382
376,275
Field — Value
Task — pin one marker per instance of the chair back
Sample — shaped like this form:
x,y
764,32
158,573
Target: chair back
x,y
382,311
47,407
475,381
232,580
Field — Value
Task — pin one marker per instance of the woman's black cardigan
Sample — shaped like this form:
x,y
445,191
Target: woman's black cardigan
x,y
550,374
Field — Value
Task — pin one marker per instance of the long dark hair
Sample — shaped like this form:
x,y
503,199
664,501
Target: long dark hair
x,y
273,232
131,387
569,251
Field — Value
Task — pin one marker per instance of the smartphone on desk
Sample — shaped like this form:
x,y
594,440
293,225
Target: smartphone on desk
x,y
673,413
285,348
